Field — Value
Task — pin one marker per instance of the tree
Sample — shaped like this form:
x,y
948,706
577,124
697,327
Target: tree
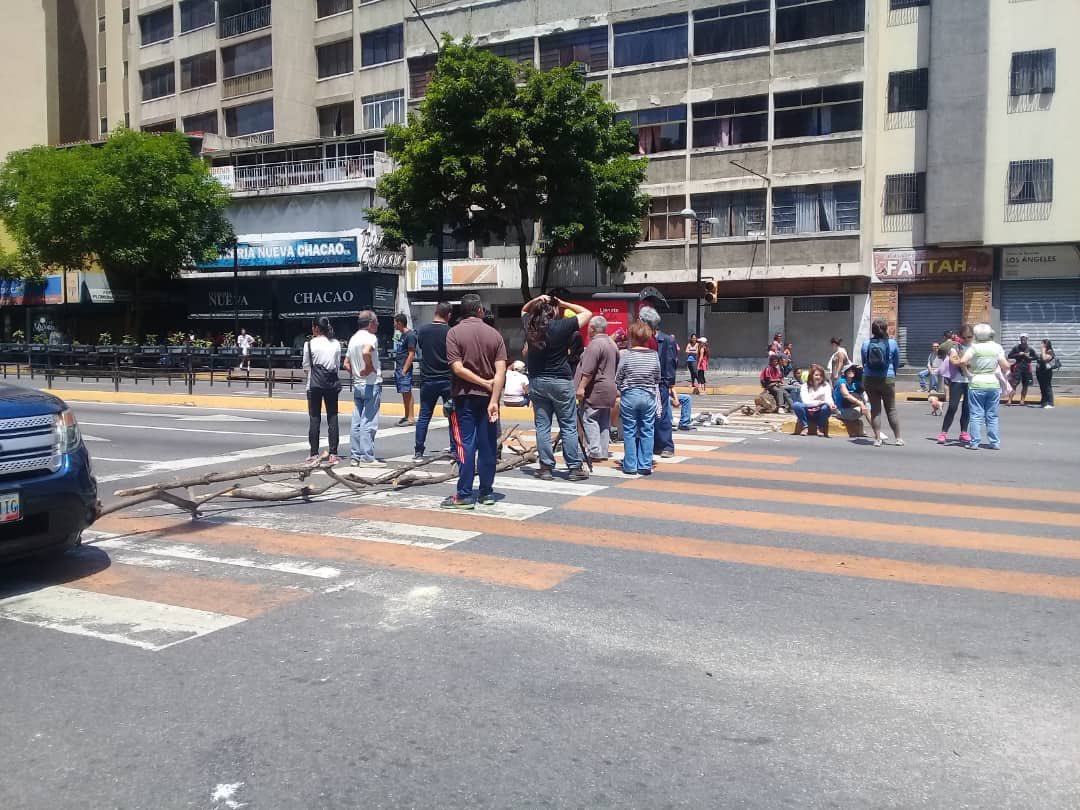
x,y
141,204
496,145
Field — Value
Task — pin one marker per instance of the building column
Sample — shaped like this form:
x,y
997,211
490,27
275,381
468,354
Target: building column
x,y
977,302
777,312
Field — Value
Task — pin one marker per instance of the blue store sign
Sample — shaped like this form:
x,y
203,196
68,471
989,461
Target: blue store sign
x,y
15,291
316,251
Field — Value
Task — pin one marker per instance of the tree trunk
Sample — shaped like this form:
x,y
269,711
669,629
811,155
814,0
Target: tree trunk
x,y
136,308
549,260
523,262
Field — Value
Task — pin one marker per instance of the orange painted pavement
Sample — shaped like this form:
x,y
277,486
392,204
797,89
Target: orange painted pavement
x,y
859,530
845,501
872,482
948,576
527,574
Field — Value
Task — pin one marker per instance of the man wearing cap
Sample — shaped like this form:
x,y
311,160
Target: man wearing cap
x,y
596,388
1021,357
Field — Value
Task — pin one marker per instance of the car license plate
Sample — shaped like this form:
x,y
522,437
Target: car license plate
x,y
10,507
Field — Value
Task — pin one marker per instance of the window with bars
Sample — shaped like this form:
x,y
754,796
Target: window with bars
x,y
818,111
158,82
384,109
821,303
1031,181
588,47
249,118
732,27
661,129
198,71
421,69
739,212
336,119
101,75
908,90
1033,72
202,122
156,26
520,51
327,8
898,4
731,121
103,126
248,57
806,19
657,39
334,59
664,220
196,14
816,209
384,45
905,193
101,25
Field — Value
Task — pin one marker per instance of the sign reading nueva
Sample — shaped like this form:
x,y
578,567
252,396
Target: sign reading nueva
x,y
899,266
315,251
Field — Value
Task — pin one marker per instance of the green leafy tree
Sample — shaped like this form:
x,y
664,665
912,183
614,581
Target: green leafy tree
x,y
141,204
496,146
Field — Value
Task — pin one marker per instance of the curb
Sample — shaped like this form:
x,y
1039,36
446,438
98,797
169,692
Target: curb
x,y
1059,399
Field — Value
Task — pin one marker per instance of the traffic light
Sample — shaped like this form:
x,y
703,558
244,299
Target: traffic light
x,y
708,291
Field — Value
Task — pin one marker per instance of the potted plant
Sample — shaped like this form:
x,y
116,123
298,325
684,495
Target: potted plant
x,y
151,344
105,343
38,344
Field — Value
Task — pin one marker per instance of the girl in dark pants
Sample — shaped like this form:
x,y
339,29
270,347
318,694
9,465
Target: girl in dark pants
x,y
322,359
958,388
1044,373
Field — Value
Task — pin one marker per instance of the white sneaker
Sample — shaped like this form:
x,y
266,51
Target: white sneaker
x,y
1051,407
781,410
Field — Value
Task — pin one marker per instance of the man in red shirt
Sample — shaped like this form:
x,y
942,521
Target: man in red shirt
x,y
772,380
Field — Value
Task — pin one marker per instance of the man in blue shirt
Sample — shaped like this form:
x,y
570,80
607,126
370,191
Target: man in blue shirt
x,y
881,359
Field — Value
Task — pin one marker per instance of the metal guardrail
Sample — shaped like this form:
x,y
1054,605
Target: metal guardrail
x,y
242,23
246,83
298,173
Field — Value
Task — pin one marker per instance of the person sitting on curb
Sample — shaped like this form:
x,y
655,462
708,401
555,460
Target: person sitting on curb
x,y
772,380
516,390
815,404
848,395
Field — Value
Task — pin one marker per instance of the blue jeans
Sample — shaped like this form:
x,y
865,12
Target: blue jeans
x,y
684,411
662,438
365,420
926,375
984,408
821,418
475,438
431,391
638,416
554,396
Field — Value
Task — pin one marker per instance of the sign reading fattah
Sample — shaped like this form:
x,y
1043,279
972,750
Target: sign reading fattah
x,y
899,266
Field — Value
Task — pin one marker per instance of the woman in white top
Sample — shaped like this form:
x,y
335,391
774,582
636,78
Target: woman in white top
x,y
817,403
516,388
321,361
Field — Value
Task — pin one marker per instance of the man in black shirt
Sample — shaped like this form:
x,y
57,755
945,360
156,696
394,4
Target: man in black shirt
x,y
434,375
1022,356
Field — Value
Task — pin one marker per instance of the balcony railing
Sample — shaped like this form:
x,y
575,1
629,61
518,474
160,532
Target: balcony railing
x,y
247,83
239,24
296,173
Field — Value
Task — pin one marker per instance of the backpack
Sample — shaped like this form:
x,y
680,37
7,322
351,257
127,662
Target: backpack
x,y
877,357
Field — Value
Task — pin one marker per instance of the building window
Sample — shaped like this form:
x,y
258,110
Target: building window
x,y
384,45
249,57
127,120
203,122
1031,181
125,69
821,303
908,90
198,71
588,47
250,118
384,109
816,209
661,129
158,82
196,14
905,193
126,15
328,8
336,119
101,75
161,126
665,220
334,59
520,51
101,25
103,126
739,212
806,19
421,69
657,39
156,27
896,4
739,306
818,111
731,121
1033,72
731,28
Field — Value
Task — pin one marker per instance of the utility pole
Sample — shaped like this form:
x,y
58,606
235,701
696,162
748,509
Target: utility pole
x,y
768,211
699,225
236,286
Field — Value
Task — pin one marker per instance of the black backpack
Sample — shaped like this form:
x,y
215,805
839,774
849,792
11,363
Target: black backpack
x,y
877,357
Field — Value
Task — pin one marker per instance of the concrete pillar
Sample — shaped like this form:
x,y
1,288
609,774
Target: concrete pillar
x,y
776,304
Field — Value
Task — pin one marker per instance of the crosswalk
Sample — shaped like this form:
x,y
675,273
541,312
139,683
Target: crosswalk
x,y
154,579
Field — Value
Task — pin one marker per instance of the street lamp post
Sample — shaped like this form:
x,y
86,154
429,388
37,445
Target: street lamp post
x,y
699,225
236,286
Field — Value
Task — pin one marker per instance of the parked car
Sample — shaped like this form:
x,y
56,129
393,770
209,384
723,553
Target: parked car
x,y
48,494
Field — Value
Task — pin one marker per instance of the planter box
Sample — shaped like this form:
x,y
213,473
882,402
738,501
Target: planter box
x,y
81,349
108,349
152,349
38,348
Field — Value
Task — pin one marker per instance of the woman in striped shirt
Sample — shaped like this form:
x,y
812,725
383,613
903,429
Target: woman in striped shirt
x,y
638,381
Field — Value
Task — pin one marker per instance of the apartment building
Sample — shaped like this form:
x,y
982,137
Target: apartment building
x,y
976,208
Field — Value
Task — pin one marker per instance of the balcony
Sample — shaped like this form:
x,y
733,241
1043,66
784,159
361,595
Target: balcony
x,y
329,171
245,22
247,83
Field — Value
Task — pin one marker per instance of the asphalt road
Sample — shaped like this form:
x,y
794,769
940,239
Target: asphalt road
x,y
771,621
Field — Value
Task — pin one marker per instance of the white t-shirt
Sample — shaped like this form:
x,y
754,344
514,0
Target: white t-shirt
x,y
321,351
355,354
514,388
245,342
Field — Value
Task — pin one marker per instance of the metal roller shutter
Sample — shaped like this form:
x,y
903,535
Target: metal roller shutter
x,y
922,320
1043,309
